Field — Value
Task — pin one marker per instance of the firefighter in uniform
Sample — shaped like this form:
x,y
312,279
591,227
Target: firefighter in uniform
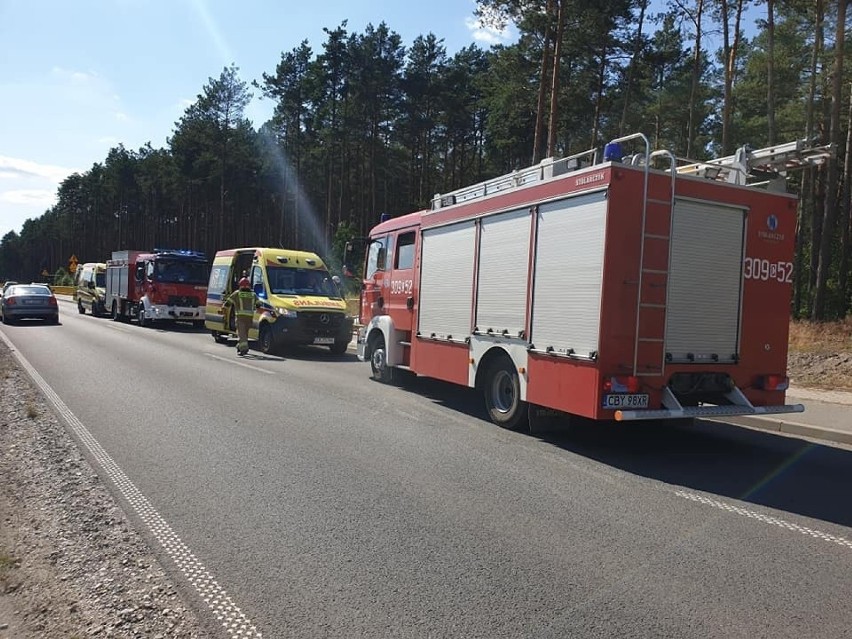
x,y
244,302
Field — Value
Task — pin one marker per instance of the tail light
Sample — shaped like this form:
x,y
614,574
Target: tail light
x,y
52,301
774,382
10,301
626,384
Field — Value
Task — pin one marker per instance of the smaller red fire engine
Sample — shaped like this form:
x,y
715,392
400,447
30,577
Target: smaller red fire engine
x,y
157,286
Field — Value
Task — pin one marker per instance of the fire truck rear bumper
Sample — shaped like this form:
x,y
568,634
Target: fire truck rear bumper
x,y
740,405
706,412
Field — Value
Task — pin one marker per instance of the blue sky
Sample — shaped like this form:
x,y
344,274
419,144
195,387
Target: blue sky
x,y
78,77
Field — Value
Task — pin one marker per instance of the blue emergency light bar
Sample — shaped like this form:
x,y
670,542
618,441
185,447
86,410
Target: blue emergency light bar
x,y
181,252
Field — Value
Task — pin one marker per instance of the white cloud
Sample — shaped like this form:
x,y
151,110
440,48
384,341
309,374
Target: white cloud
x,y
487,34
108,141
30,197
18,168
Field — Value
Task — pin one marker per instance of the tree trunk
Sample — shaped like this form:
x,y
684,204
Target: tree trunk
x,y
696,77
727,83
554,85
830,207
816,220
599,98
731,47
542,85
631,69
770,71
846,219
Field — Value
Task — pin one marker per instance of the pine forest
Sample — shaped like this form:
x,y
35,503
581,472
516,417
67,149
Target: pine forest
x,y
366,124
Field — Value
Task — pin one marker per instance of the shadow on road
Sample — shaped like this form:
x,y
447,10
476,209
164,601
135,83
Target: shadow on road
x,y
764,468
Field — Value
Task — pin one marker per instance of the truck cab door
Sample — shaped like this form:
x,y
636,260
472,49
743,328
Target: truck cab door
x,y
400,289
376,280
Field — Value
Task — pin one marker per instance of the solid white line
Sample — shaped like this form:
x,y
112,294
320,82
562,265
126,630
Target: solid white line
x,y
243,364
220,603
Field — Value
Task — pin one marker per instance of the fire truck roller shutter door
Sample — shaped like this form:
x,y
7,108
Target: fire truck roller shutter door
x,y
569,275
446,281
503,273
703,314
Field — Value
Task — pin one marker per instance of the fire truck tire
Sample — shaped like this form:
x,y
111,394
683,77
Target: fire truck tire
x,y
140,317
378,360
265,340
80,309
502,390
114,312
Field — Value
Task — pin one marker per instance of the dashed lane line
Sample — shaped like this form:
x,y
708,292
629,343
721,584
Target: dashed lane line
x,y
243,364
766,519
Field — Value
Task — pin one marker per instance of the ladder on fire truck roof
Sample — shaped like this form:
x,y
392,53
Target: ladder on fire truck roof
x,y
544,170
751,166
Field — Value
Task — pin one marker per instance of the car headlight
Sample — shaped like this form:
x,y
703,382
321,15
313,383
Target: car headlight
x,y
286,312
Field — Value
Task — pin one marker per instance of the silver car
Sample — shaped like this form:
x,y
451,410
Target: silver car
x,y
29,300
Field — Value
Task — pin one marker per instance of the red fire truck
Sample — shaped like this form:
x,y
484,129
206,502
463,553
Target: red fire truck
x,y
616,289
158,285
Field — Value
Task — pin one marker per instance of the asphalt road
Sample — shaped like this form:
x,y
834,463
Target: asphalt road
x,y
321,504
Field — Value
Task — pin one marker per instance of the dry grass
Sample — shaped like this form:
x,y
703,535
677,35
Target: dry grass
x,y
821,354
821,337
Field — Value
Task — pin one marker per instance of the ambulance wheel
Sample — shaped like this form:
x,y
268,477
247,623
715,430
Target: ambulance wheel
x,y
80,309
220,338
339,347
502,391
267,344
378,359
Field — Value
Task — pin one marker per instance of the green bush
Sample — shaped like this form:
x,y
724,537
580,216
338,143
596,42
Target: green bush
x,y
62,278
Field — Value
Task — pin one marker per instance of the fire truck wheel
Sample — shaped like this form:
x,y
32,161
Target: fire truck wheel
x,y
115,316
80,309
140,317
378,363
267,344
503,395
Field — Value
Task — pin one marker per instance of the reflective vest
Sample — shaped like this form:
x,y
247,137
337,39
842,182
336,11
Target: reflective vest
x,y
243,302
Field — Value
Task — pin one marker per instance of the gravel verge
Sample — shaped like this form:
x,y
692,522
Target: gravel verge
x,y
71,563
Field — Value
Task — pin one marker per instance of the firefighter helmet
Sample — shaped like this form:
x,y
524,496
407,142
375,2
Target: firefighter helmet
x,y
244,283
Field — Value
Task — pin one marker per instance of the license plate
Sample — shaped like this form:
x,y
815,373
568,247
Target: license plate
x,y
636,400
323,340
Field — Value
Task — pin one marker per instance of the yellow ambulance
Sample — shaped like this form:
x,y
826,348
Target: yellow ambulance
x,y
90,288
300,303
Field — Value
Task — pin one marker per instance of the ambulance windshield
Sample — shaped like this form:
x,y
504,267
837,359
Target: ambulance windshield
x,y
284,280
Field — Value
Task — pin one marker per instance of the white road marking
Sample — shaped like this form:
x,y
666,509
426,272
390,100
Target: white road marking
x,y
766,519
236,623
123,328
243,364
